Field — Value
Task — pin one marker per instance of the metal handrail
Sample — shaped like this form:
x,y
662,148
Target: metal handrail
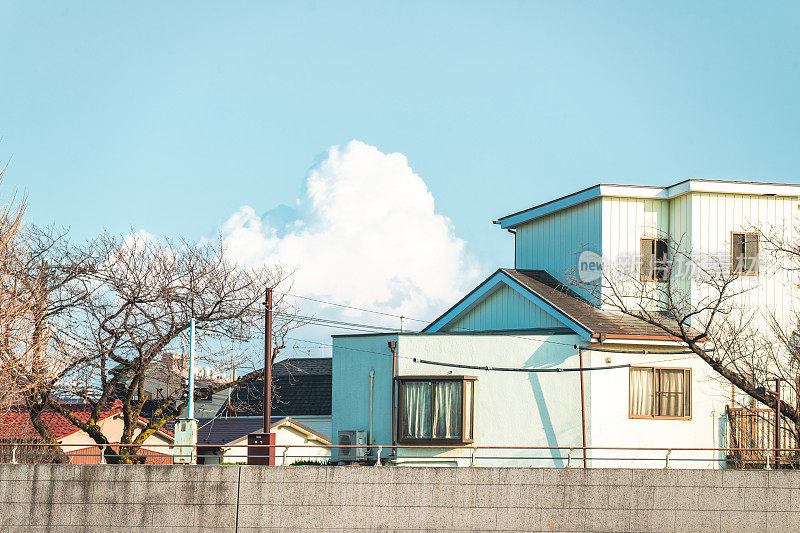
x,y
669,452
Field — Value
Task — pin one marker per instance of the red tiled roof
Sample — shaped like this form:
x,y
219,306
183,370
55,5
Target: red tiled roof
x,y
16,424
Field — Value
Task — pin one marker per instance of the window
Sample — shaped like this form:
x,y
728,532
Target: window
x,y
660,393
436,409
744,253
654,262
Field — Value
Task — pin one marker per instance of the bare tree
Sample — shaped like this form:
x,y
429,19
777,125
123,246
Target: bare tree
x,y
27,366
703,301
141,295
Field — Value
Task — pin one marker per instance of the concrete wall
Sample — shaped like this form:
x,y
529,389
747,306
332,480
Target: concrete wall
x,y
67,498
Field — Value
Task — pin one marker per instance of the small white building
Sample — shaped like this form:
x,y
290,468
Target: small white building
x,y
528,360
224,440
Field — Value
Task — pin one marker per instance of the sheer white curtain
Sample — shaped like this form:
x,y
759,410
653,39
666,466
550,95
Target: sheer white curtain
x,y
672,390
416,422
447,410
642,391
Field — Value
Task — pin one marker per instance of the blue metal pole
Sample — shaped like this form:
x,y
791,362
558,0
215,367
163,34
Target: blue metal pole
x,y
190,413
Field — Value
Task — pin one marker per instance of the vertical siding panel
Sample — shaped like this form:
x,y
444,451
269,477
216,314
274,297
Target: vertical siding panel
x,y
504,309
557,239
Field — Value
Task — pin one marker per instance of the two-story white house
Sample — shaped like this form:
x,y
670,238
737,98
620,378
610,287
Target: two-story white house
x,y
529,359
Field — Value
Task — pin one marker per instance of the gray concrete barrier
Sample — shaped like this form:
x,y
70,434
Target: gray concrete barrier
x,y
72,498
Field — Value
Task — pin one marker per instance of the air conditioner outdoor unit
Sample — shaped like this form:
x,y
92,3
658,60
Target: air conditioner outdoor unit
x,y
352,438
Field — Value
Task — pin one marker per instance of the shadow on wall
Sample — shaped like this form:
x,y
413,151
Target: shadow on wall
x,y
547,357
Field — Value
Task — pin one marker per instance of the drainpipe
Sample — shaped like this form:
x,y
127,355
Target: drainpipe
x,y
393,349
371,392
583,406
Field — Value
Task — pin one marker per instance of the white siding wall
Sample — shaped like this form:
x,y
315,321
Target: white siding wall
x,y
702,224
625,222
503,309
554,242
680,231
715,216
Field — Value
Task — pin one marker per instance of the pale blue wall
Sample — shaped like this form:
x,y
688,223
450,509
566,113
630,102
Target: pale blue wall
x,y
554,242
353,357
504,309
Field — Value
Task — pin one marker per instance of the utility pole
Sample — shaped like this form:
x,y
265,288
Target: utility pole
x,y
268,361
185,432
190,409
261,446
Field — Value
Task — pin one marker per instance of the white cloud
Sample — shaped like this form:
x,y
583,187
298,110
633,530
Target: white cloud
x,y
365,233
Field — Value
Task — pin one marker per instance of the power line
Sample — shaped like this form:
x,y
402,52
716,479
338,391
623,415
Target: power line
x,y
356,308
350,349
304,318
486,367
365,328
528,370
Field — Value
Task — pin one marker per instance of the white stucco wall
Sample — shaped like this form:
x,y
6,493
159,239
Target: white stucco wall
x,y
534,409
512,409
611,426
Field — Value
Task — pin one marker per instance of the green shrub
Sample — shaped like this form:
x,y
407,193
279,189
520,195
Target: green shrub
x,y
310,462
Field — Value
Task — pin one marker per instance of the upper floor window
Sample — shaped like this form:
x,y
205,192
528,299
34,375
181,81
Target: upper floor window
x,y
654,264
660,393
744,253
436,409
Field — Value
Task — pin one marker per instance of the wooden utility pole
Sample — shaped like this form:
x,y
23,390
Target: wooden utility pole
x,y
268,361
261,446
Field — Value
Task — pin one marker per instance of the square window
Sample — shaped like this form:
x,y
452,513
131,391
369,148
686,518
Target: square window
x,y
660,393
436,409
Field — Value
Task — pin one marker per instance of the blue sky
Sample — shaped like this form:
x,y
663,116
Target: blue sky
x,y
170,117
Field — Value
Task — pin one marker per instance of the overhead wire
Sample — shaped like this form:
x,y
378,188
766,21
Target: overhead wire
x,y
370,328
356,308
308,319
484,367
488,368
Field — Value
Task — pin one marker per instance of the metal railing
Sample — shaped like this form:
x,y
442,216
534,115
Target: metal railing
x,y
387,454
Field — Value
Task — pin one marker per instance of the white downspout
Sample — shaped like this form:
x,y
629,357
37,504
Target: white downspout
x,y
371,393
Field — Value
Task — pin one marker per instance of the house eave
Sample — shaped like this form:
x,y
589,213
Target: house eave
x,y
648,192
